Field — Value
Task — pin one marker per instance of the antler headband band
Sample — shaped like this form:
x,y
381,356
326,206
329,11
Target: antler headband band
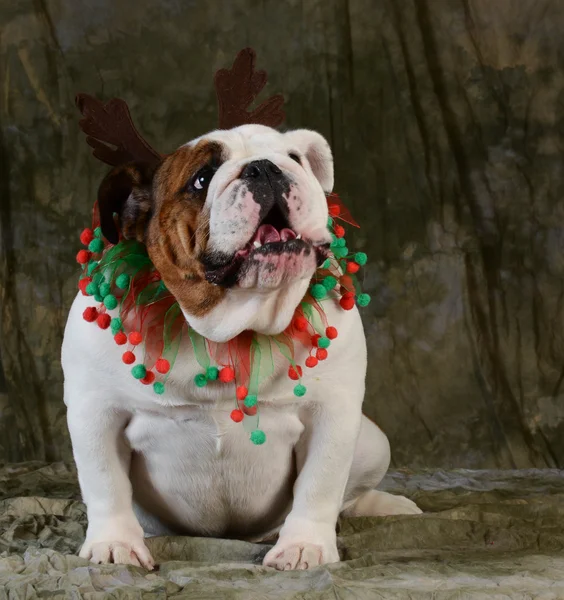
x,y
111,133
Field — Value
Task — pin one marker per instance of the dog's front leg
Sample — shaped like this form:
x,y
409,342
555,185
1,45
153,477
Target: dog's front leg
x,y
308,536
102,458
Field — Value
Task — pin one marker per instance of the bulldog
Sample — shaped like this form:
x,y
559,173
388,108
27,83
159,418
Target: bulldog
x,y
236,224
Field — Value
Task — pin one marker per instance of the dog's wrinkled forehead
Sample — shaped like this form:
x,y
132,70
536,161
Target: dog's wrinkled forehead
x,y
246,141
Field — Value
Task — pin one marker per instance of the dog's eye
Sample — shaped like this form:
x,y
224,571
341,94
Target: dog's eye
x,y
295,157
202,178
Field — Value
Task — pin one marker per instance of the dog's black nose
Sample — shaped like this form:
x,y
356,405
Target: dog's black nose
x,y
260,169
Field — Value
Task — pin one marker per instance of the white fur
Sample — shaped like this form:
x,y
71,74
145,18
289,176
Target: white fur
x,y
177,463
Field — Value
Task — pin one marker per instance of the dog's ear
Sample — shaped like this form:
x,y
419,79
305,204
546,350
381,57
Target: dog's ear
x,y
125,200
318,153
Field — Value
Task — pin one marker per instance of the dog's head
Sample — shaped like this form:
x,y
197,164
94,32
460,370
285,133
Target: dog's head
x,y
235,221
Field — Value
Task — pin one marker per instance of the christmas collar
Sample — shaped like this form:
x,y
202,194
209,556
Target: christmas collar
x,y
145,319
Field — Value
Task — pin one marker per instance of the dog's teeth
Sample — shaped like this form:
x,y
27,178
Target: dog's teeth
x,y
257,244
299,236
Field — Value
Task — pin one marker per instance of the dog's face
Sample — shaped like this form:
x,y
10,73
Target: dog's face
x,y
235,219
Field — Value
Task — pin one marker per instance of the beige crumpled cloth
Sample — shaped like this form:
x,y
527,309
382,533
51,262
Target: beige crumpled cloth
x,y
484,534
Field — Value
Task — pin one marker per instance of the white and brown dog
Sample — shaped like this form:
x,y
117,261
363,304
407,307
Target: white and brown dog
x,y
235,222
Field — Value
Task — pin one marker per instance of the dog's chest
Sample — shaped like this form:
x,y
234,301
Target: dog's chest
x,y
197,471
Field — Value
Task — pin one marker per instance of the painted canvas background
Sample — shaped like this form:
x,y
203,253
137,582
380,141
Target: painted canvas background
x,y
446,118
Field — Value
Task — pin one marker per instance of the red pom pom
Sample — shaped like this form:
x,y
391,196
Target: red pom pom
x,y
120,338
90,314
86,236
347,303
339,231
321,353
300,323
135,338
104,321
83,283
315,339
237,415
128,357
226,374
331,333
250,410
352,267
83,257
293,373
149,378
162,366
311,362
242,392
335,210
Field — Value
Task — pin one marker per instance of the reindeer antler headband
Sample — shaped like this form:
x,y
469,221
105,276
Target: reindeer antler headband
x,y
115,140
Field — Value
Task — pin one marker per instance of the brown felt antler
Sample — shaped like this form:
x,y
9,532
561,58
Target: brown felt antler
x,y
112,135
238,87
110,124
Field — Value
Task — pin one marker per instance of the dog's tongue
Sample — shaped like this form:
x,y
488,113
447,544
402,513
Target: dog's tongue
x,y
287,234
267,234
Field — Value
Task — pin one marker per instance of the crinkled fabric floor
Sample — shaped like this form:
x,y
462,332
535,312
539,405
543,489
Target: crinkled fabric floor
x,y
484,534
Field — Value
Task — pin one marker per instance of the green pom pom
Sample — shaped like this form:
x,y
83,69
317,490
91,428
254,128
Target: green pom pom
x,y
323,342
115,325
98,298
96,245
360,258
340,252
110,302
300,390
258,437
318,291
200,380
92,289
98,232
329,222
122,281
341,243
91,266
250,401
363,299
212,373
105,289
158,388
329,282
326,264
139,371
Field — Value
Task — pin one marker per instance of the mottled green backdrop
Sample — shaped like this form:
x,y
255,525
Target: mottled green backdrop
x,y
446,120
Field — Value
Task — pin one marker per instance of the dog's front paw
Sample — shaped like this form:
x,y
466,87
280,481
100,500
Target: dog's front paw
x,y
302,545
124,551
300,555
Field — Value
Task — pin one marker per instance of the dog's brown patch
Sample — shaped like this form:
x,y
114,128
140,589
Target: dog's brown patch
x,y
178,231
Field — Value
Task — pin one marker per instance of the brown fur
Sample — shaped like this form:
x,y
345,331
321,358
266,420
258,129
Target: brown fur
x,y
156,206
178,231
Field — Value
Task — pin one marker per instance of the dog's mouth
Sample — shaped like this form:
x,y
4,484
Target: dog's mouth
x,y
273,236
